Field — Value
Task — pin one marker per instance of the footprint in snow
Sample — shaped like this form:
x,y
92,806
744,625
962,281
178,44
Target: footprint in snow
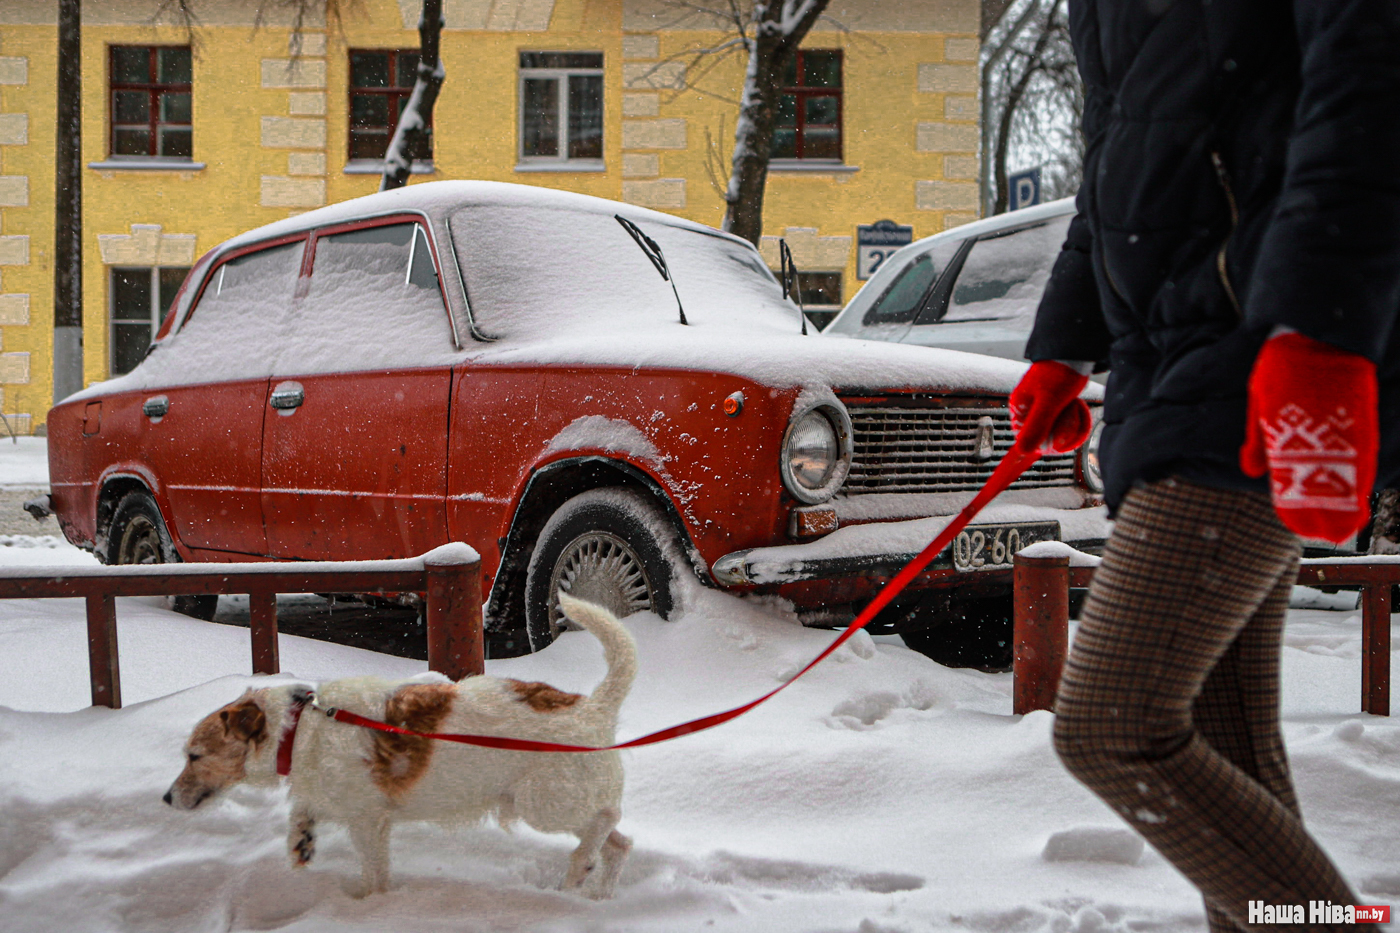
x,y
866,710
1094,844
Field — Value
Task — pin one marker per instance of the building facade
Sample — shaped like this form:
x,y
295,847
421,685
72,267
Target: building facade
x,y
190,137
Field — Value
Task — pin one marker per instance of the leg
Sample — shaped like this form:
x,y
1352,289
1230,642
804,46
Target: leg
x,y
1185,572
370,834
590,842
301,836
615,849
1237,712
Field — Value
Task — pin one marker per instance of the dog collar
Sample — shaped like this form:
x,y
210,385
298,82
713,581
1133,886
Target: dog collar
x,y
289,731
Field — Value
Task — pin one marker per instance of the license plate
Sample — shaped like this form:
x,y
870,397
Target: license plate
x,y
988,547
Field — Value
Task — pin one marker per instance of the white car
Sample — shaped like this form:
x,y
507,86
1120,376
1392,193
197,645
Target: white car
x,y
973,288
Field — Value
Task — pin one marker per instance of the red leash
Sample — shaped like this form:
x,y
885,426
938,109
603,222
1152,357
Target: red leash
x,y
1015,463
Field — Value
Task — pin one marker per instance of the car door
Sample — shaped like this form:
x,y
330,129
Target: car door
x,y
203,427
355,433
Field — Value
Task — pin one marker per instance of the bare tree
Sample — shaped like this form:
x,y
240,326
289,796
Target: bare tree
x,y
768,33
1031,97
68,207
411,135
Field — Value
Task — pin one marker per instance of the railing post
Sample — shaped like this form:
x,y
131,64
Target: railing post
x,y
1375,649
262,620
103,668
456,646
1041,620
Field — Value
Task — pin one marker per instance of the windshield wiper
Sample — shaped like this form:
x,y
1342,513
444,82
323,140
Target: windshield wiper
x,y
652,250
788,273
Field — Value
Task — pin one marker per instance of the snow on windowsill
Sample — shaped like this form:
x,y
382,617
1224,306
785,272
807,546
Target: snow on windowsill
x,y
811,166
376,167
566,165
146,164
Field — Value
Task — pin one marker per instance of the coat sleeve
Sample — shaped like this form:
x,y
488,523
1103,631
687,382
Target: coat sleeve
x,y
1069,325
1329,265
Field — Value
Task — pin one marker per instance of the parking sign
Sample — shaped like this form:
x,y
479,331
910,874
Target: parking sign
x,y
1025,189
876,243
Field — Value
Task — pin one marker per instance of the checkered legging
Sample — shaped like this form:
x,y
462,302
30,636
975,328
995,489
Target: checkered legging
x,y
1168,708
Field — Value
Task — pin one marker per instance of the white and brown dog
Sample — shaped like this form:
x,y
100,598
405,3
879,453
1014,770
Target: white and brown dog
x,y
368,779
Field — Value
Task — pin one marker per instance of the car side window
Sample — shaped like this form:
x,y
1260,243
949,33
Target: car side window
x,y
1004,276
245,300
900,302
373,300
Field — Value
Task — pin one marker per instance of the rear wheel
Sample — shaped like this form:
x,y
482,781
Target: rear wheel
x,y
609,546
138,536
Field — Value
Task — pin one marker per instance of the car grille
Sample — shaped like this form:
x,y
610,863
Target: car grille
x,y
922,448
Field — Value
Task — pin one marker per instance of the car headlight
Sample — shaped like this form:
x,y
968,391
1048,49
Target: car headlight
x,y
816,453
1087,462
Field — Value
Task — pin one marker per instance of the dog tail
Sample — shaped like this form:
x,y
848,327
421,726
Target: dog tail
x,y
618,648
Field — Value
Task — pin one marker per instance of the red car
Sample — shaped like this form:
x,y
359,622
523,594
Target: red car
x,y
595,396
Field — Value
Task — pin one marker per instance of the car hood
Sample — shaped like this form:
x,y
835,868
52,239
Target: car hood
x,y
777,360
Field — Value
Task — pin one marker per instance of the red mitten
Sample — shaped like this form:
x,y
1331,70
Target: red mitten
x,y
1313,425
1047,413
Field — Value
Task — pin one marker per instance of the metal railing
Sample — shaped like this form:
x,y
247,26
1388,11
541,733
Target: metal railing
x,y
449,575
1042,587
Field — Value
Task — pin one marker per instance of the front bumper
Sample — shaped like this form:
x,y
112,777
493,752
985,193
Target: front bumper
x,y
881,549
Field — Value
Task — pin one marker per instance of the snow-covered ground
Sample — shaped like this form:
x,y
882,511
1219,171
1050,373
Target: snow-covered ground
x,y
880,794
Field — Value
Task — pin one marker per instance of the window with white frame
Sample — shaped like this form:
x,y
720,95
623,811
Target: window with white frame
x,y
140,299
561,109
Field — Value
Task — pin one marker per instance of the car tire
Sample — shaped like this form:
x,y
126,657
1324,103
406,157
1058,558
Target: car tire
x,y
609,546
138,535
974,632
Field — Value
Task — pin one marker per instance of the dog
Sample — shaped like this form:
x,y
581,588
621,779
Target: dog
x,y
368,780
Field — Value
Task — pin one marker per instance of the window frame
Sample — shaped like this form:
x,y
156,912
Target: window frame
x,y
394,93
153,88
561,76
158,317
802,92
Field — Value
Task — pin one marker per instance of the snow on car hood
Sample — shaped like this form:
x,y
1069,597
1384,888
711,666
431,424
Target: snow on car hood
x,y
778,360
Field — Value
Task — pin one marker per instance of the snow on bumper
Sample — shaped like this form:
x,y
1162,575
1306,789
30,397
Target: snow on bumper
x,y
888,546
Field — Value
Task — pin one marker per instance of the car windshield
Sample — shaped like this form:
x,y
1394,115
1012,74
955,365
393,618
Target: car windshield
x,y
532,271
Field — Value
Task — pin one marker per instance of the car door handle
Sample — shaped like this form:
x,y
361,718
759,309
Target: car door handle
x,y
155,407
287,396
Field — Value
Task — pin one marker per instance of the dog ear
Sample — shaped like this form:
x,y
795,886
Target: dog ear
x,y
245,720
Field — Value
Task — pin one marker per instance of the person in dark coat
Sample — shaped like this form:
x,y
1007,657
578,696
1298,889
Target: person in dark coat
x,y
1235,264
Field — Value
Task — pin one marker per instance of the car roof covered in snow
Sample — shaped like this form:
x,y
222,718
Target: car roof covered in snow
x,y
436,198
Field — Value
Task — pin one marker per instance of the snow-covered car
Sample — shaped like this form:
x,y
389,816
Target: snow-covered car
x,y
975,287
596,396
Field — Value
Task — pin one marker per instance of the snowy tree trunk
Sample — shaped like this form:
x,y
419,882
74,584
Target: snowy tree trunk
x,y
779,26
68,208
412,131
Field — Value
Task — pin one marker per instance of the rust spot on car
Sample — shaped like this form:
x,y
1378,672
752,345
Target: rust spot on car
x,y
543,698
399,761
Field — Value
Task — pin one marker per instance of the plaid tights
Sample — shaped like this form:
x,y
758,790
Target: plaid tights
x,y
1168,708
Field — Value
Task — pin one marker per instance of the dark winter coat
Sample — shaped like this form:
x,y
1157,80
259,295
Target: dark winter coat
x,y
1242,172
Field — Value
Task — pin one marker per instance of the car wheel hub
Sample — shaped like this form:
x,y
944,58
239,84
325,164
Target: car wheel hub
x,y
140,543
601,568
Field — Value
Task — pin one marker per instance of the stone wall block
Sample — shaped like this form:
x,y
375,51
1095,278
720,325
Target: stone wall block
x,y
293,133
653,134
942,78
947,137
945,196
661,193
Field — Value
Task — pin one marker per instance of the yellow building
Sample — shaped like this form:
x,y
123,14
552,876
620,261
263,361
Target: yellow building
x,y
188,140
